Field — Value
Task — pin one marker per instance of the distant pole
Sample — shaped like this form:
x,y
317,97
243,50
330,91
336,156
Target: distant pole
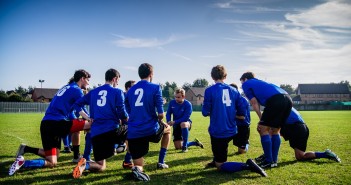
x,y
41,83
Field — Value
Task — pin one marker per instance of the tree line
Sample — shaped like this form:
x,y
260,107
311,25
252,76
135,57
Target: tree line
x,y
20,94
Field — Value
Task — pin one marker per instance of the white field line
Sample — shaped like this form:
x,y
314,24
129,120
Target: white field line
x,y
12,136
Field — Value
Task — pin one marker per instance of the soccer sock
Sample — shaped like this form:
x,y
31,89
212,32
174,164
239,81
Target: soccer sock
x,y
267,147
275,146
65,141
87,166
320,155
185,135
76,151
162,155
88,146
233,167
36,163
128,158
192,143
28,149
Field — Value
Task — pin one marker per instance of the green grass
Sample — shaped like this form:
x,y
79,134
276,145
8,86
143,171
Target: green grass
x,y
328,129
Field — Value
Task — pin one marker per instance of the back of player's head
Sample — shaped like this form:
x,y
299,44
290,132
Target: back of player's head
x,y
81,73
111,73
234,85
248,75
181,91
218,72
129,84
145,70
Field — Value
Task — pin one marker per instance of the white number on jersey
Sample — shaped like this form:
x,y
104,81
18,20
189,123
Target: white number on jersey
x,y
226,98
140,93
102,101
62,90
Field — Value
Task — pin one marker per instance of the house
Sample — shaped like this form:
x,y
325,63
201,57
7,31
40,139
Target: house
x,y
43,94
195,95
321,93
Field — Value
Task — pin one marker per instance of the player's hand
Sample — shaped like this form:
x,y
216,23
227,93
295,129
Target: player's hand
x,y
170,123
259,127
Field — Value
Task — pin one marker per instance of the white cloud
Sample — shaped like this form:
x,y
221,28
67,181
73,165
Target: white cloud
x,y
129,42
333,14
131,68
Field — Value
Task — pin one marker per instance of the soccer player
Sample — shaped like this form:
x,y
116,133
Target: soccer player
x,y
181,110
241,139
56,124
144,125
222,103
106,110
296,132
277,103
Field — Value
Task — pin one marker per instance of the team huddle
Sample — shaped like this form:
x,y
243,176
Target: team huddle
x,y
134,118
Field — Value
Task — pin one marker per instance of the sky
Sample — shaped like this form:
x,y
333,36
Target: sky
x,y
281,41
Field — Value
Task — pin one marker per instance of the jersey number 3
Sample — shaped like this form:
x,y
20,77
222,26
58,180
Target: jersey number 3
x,y
226,98
102,101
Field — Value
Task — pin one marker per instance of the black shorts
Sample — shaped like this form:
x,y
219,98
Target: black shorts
x,y
296,134
51,132
104,144
276,111
177,132
220,148
139,147
242,137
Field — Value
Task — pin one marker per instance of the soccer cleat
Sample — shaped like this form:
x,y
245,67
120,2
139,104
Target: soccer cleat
x,y
77,160
127,165
266,164
162,166
78,170
255,168
16,165
20,150
198,143
211,164
138,174
184,149
66,149
260,158
121,148
332,156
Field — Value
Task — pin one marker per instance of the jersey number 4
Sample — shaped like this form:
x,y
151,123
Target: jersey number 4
x,y
226,98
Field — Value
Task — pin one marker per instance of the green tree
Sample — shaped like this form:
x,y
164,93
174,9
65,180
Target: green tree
x,y
347,83
186,86
200,82
168,90
288,88
3,96
14,97
21,91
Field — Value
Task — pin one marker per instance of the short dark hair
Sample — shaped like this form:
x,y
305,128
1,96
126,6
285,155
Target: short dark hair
x,y
234,85
80,73
145,70
218,72
111,73
248,75
128,84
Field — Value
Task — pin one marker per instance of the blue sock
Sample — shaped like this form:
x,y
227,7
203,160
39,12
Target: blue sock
x,y
320,155
65,140
36,163
87,166
88,146
128,158
192,143
69,139
267,147
185,135
233,166
162,155
275,146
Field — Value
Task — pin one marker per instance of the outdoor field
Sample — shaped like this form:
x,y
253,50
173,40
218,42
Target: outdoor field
x,y
328,129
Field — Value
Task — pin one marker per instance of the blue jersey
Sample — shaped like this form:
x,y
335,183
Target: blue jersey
x,y
261,90
222,103
247,120
61,104
143,100
107,107
294,117
181,112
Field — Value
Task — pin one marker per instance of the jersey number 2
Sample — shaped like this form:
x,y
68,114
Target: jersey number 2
x,y
226,98
140,93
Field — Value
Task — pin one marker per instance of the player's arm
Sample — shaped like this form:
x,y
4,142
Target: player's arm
x,y
121,110
169,113
78,106
206,108
256,107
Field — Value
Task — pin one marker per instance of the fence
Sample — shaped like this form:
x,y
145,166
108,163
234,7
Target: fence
x,y
21,107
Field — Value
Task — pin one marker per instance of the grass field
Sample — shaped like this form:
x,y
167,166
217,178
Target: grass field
x,y
328,129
